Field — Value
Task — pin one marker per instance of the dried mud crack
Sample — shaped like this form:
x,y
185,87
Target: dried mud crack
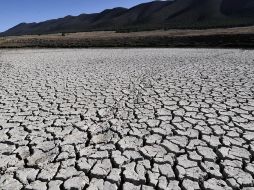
x,y
126,119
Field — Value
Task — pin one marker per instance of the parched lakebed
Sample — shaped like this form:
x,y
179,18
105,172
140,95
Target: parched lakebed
x,y
107,119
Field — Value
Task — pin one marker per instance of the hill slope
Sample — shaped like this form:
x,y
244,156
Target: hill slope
x,y
152,15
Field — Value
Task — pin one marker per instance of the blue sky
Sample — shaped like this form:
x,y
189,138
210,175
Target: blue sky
x,y
13,12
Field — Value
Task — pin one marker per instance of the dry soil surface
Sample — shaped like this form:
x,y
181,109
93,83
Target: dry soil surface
x,y
107,119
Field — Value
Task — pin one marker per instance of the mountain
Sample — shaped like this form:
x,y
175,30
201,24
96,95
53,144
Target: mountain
x,y
148,16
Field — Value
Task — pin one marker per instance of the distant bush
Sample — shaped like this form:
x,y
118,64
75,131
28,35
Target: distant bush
x,y
123,31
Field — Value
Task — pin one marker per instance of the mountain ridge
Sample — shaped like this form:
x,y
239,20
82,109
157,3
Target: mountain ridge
x,y
149,16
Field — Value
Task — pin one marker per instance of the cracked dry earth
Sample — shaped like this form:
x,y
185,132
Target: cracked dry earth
x,y
128,119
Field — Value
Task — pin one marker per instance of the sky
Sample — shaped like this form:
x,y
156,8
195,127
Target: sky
x,y
13,12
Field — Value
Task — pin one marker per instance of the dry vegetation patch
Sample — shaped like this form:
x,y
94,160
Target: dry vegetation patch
x,y
230,37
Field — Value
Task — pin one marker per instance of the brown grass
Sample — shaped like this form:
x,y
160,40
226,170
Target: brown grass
x,y
230,37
